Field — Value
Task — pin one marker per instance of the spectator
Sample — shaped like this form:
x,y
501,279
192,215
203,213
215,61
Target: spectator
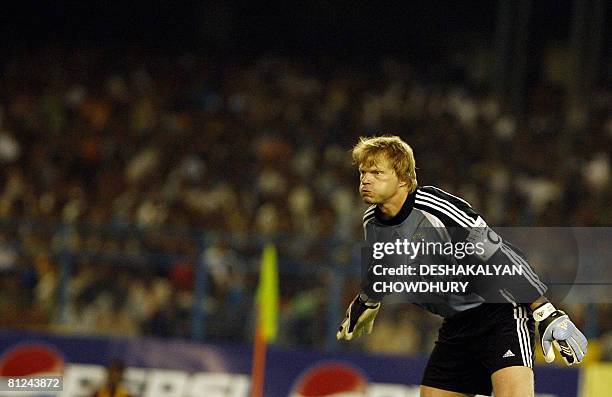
x,y
113,386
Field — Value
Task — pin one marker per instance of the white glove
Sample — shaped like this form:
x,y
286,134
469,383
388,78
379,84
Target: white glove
x,y
557,329
359,317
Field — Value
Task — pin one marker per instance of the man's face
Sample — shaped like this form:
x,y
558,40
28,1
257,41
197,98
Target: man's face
x,y
378,181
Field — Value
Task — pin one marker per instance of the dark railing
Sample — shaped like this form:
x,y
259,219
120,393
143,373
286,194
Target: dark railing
x,y
133,246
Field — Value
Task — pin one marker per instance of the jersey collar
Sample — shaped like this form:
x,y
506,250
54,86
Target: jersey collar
x,y
401,215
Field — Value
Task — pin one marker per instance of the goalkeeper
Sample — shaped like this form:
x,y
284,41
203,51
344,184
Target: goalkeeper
x,y
481,347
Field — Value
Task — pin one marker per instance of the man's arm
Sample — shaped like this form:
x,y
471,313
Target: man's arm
x,y
466,225
362,310
538,302
555,327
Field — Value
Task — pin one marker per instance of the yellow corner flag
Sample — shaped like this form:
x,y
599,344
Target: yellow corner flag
x,y
267,294
266,305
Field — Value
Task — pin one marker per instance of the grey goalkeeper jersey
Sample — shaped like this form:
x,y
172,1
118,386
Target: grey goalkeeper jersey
x,y
432,215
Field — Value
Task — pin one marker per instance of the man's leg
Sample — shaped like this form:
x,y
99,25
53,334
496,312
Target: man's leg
x,y
516,381
427,391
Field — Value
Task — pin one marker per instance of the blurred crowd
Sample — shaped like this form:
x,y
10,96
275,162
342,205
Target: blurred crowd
x,y
124,172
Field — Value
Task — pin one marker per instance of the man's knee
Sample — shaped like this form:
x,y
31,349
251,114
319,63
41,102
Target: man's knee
x,y
513,382
426,391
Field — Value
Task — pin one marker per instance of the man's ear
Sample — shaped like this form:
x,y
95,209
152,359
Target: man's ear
x,y
403,183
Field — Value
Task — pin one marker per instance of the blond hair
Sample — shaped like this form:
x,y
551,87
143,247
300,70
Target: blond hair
x,y
369,150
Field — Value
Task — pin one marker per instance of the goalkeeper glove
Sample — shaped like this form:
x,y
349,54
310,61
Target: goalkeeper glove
x,y
557,329
359,317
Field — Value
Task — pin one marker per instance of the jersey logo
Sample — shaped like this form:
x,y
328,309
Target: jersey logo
x,y
508,354
484,236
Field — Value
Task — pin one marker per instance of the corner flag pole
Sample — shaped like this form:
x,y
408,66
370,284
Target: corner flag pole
x,y
266,302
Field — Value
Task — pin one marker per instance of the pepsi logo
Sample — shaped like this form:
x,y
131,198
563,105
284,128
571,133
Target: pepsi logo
x,y
331,379
31,359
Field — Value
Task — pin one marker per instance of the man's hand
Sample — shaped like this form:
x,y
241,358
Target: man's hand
x,y
359,317
557,329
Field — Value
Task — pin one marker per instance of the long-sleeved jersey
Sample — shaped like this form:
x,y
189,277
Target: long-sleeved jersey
x,y
431,215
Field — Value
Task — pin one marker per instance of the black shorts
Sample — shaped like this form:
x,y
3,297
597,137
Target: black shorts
x,y
472,345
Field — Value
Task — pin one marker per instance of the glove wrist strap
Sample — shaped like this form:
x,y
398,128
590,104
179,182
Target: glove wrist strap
x,y
364,298
542,312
